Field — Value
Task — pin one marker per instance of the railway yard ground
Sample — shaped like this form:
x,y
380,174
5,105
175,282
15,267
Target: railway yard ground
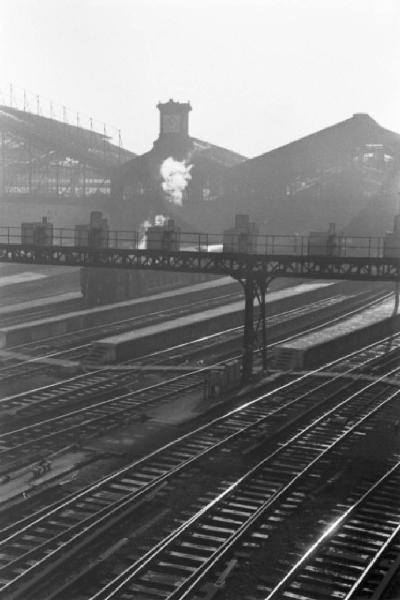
x,y
154,473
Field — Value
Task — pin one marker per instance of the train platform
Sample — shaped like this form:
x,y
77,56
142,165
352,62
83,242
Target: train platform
x,y
201,324
18,282
39,303
96,316
345,336
39,329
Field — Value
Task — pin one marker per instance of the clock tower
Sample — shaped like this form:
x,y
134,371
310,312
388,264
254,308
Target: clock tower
x,y
174,119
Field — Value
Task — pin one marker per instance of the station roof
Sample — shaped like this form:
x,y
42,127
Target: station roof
x,y
320,178
217,154
78,143
331,142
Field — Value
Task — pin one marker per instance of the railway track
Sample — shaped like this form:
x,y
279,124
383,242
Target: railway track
x,y
74,346
32,442
103,382
231,336
38,440
225,345
181,563
380,578
36,546
98,385
343,561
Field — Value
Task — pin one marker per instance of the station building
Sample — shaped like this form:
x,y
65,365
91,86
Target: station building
x,y
348,174
181,179
138,187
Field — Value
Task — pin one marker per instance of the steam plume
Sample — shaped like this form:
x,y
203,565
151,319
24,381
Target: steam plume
x,y
176,175
142,234
159,220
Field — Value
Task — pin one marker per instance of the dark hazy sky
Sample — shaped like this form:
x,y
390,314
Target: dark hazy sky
x,y
259,73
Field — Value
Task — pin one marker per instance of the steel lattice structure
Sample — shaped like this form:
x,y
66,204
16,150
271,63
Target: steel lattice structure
x,y
238,266
51,158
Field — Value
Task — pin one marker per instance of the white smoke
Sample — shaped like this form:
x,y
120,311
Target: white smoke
x,y
176,175
142,234
160,220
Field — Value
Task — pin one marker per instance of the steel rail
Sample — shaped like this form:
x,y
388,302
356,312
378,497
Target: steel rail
x,y
300,378
350,364
125,500
22,398
129,321
184,586
10,369
101,411
113,328
337,528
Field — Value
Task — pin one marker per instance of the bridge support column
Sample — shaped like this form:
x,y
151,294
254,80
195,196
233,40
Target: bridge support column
x,y
262,301
254,289
396,297
248,333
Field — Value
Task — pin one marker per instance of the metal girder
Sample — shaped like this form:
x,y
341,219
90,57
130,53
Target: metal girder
x,y
239,266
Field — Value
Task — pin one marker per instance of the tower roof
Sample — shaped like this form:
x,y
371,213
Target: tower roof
x,y
172,107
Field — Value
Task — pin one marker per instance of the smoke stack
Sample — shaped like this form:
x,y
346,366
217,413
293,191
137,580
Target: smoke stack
x,y
396,224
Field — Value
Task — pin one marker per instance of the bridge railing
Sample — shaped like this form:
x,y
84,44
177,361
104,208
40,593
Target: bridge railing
x,y
165,240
